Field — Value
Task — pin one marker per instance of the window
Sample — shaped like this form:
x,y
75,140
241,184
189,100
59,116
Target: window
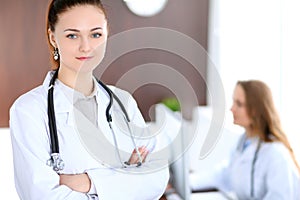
x,y
260,39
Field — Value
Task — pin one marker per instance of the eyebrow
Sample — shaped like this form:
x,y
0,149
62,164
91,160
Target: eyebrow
x,y
76,30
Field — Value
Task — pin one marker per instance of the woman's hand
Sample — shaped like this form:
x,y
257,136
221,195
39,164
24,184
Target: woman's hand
x,y
134,158
77,182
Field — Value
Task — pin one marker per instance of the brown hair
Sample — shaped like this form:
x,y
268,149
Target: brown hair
x,y
57,7
264,117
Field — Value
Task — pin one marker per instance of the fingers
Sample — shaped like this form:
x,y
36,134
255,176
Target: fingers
x,y
144,153
134,158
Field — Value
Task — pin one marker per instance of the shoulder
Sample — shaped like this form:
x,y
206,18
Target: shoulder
x,y
129,103
31,99
119,91
125,97
274,147
276,152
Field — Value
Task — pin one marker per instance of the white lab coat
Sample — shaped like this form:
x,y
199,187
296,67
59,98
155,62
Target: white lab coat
x,y
35,180
275,174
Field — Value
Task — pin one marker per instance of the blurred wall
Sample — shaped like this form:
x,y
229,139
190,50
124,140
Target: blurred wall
x,y
24,56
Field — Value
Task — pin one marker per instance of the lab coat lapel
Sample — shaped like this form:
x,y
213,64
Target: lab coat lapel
x,y
94,141
61,102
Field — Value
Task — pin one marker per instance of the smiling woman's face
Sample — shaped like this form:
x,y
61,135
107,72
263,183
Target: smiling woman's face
x,y
80,36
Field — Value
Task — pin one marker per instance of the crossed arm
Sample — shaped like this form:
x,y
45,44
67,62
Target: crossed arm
x,y
82,183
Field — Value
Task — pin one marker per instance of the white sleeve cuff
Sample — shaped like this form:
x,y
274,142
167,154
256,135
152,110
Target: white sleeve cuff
x,y
92,190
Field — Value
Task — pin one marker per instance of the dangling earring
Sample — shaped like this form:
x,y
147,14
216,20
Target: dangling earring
x,y
56,54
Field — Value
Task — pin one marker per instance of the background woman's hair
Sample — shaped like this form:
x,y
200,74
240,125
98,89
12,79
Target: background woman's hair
x,y
57,7
264,117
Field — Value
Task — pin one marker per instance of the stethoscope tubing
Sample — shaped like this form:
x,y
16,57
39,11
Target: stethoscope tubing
x,y
55,161
253,168
252,172
51,118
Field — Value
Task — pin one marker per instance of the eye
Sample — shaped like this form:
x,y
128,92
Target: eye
x,y
240,104
71,36
96,35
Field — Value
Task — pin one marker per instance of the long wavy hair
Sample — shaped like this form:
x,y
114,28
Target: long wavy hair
x,y
264,117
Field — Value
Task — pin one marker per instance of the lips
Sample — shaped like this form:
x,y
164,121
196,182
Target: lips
x,y
84,58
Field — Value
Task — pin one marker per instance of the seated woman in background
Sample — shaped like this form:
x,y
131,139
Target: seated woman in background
x,y
263,165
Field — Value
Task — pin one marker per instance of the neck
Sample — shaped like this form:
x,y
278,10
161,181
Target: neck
x,y
81,82
249,132
252,133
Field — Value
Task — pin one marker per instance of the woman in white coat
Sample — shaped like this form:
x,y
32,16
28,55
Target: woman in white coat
x,y
77,33
263,165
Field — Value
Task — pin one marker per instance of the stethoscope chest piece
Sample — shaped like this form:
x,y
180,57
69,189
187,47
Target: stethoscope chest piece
x,y
56,162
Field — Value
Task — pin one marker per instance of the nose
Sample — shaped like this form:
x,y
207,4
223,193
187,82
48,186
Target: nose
x,y
85,45
232,108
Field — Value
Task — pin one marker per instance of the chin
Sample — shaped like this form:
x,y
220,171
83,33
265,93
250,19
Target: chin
x,y
236,122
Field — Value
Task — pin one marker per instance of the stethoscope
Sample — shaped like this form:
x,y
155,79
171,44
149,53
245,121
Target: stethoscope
x,y
55,160
252,175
